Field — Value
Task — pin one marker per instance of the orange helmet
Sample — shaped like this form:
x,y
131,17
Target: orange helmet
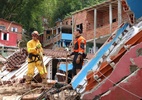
x,y
35,33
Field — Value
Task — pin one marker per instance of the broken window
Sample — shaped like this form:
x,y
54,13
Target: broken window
x,y
71,22
80,26
66,22
47,31
114,20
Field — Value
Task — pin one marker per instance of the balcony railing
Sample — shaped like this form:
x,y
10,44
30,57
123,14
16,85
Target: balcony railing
x,y
53,40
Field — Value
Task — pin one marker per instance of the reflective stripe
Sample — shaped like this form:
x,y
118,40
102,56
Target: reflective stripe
x,y
29,49
44,71
41,72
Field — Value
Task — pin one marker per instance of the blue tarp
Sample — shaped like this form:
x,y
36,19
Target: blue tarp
x,y
63,67
66,36
135,7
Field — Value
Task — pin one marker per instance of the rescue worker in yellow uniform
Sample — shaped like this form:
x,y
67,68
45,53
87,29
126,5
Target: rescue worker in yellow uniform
x,y
35,59
79,48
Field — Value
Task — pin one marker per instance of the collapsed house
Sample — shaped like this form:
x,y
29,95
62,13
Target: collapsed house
x,y
113,73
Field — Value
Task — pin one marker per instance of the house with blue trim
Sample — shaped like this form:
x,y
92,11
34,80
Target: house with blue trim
x,y
59,36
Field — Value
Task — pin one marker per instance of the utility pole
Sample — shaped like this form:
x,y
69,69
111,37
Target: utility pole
x,y
119,13
95,26
110,17
9,25
67,66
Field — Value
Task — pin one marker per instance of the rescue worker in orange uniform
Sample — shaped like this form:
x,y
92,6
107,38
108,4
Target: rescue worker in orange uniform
x,y
35,59
79,48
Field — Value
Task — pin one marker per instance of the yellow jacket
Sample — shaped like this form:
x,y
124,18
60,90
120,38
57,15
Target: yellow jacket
x,y
31,47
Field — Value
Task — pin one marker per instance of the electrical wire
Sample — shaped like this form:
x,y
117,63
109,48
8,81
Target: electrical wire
x,y
117,86
121,87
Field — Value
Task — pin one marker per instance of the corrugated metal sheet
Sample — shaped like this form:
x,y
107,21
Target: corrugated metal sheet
x,y
19,73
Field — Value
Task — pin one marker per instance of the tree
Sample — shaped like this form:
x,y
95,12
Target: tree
x,y
29,13
61,8
26,12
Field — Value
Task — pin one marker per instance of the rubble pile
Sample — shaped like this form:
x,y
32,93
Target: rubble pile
x,y
17,92
38,91
59,91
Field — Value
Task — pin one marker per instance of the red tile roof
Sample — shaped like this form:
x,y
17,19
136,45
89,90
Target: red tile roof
x,y
15,60
61,53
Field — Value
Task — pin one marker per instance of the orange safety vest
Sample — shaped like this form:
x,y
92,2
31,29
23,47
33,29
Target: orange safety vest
x,y
79,44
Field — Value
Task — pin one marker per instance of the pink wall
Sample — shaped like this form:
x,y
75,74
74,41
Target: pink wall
x,y
13,36
12,41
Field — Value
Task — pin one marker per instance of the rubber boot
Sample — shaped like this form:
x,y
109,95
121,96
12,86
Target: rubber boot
x,y
44,79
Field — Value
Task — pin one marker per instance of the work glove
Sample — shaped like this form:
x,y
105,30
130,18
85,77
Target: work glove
x,y
38,46
68,55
